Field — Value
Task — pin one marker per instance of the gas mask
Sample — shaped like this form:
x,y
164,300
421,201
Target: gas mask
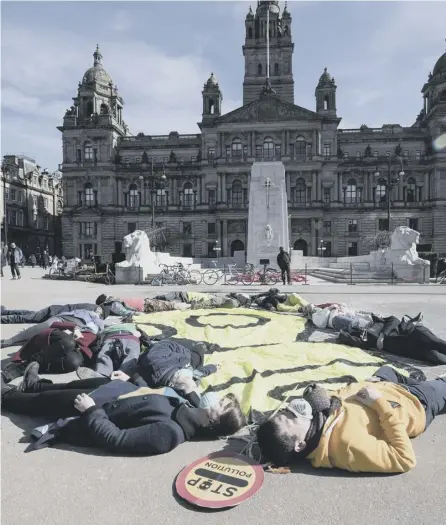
x,y
300,408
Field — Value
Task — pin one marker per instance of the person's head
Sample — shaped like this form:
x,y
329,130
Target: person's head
x,y
101,299
281,249
284,435
226,417
12,245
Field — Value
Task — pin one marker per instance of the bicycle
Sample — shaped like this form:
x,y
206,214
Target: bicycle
x,y
107,276
268,276
211,276
60,271
441,277
175,274
190,276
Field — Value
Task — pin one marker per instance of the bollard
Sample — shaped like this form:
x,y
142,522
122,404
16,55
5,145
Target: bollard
x,y
351,273
306,274
392,280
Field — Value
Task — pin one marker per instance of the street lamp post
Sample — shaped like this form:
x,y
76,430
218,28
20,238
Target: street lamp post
x,y
391,183
322,248
153,188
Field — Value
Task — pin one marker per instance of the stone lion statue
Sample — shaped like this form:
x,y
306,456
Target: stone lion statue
x,y
402,254
137,250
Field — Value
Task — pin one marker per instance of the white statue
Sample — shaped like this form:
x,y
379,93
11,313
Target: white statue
x,y
403,255
137,250
268,232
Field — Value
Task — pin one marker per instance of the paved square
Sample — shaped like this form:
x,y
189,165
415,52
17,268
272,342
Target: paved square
x,y
68,486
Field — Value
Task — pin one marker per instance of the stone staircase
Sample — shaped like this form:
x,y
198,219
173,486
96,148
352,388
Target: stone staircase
x,y
353,276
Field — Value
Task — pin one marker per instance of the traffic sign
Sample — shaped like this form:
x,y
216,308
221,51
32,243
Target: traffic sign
x,y
219,480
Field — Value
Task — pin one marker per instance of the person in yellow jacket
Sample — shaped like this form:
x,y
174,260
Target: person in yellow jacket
x,y
365,427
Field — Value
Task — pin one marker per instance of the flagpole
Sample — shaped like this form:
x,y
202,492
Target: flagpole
x,y
267,43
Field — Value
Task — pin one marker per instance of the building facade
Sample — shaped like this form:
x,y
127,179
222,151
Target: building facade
x,y
32,201
195,187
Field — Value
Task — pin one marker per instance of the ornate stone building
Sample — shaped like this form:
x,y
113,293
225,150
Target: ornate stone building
x,y
196,186
32,203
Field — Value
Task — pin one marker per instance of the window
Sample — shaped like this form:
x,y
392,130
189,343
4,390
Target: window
x,y
237,193
228,151
327,227
300,192
187,228
46,223
35,180
187,250
137,160
411,190
13,194
211,153
268,148
237,148
380,191
89,194
88,152
7,194
300,149
161,197
292,151
406,154
327,150
45,203
352,249
133,196
383,225
418,155
259,70
278,151
131,227
351,193
327,195
358,154
211,249
34,201
127,161
188,192
327,249
211,194
346,155
352,225
245,151
276,69
375,154
88,229
78,155
258,152
87,251
212,230
413,224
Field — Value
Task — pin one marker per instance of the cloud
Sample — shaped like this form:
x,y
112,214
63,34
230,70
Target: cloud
x,y
364,96
41,73
121,21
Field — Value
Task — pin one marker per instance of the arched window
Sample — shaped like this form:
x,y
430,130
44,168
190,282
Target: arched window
x,y
188,193
211,107
276,69
89,194
411,190
259,70
236,148
351,192
133,196
88,152
268,148
249,32
237,193
301,191
301,147
89,108
380,191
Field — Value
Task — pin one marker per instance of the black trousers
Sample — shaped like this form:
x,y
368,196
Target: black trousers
x,y
286,272
52,400
421,344
432,394
15,270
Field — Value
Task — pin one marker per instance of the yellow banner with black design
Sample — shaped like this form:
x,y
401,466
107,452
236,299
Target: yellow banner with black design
x,y
261,361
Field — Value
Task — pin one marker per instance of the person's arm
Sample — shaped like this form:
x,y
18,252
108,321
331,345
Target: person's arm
x,y
366,453
64,325
151,439
204,371
117,308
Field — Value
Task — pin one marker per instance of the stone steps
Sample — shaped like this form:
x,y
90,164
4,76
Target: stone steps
x,y
345,276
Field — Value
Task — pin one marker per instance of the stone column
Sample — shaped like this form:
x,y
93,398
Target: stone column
x,y
426,194
224,244
223,187
253,143
288,186
336,187
371,178
319,185
340,199
314,148
313,238
313,187
284,142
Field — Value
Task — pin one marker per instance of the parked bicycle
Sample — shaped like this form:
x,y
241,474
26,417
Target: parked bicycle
x,y
175,274
107,277
441,277
227,273
268,276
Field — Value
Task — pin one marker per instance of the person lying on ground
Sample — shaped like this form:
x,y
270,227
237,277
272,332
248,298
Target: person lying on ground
x,y
135,305
127,420
39,316
406,337
336,317
199,300
58,350
362,428
270,299
86,320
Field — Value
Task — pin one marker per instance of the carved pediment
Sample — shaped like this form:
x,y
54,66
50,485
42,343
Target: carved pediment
x,y
268,109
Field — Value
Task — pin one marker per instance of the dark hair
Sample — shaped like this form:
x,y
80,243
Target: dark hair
x,y
274,445
101,299
281,249
231,420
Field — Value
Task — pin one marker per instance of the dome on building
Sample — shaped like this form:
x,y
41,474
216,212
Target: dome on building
x,y
440,66
212,81
325,77
97,73
250,13
272,5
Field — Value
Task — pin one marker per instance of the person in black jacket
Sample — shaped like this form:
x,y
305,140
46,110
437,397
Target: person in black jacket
x,y
284,261
127,419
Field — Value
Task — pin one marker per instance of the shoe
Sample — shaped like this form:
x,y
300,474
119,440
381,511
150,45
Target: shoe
x,y
418,375
13,370
87,373
19,277
5,388
13,279
30,378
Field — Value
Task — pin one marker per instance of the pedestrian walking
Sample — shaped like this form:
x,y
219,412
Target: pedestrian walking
x,y
32,260
15,256
284,261
46,260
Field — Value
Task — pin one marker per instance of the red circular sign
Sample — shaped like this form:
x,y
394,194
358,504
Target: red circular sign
x,y
219,480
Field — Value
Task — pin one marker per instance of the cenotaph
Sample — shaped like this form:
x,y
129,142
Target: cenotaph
x,y
268,213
